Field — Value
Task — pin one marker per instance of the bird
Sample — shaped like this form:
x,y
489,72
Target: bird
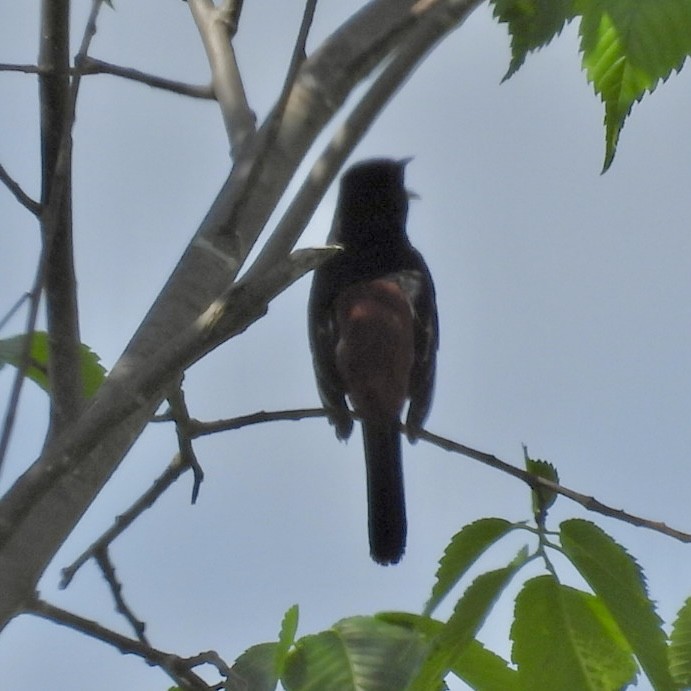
x,y
374,333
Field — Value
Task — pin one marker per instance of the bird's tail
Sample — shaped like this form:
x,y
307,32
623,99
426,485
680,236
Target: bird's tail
x,y
385,495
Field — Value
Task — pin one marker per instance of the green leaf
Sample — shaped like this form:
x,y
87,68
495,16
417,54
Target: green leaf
x,y
255,669
532,24
618,581
628,47
468,616
477,666
542,497
11,350
680,647
462,552
484,670
286,638
358,654
561,641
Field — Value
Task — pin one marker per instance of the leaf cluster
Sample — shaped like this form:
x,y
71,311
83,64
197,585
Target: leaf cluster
x,y
601,637
628,46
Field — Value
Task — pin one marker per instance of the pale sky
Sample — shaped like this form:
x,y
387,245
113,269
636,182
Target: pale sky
x,y
565,308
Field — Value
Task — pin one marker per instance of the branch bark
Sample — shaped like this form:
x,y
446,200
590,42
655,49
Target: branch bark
x,y
59,280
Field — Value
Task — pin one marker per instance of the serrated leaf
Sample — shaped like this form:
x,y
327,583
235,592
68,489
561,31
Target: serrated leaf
x,y
358,654
532,24
477,666
254,669
11,350
561,642
542,497
628,47
680,647
617,580
484,670
467,618
462,552
286,637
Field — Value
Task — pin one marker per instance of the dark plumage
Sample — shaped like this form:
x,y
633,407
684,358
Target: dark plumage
x,y
374,335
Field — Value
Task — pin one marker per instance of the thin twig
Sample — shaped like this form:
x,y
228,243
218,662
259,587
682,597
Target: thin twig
x,y
12,311
106,565
177,668
179,413
174,470
25,69
19,376
588,502
91,65
177,467
200,429
20,195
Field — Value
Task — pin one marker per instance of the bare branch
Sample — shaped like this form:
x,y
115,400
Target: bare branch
x,y
272,127
25,69
13,310
177,668
91,65
122,522
108,570
217,27
19,376
588,502
179,413
194,428
200,429
20,195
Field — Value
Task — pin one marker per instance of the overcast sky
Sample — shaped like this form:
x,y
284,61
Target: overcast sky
x,y
565,310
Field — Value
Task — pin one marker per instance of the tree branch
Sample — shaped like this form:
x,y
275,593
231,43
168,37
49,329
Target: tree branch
x,y
20,195
24,69
58,96
534,482
217,26
181,416
91,65
178,669
174,470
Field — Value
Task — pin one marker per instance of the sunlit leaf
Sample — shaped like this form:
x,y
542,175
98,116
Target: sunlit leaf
x,y
357,654
532,24
11,351
468,616
561,641
680,647
462,552
542,497
617,580
286,638
477,666
254,669
628,47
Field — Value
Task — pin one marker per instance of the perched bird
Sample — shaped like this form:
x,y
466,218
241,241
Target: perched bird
x,y
374,334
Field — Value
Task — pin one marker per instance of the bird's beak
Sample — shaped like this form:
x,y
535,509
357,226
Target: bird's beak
x,y
403,162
